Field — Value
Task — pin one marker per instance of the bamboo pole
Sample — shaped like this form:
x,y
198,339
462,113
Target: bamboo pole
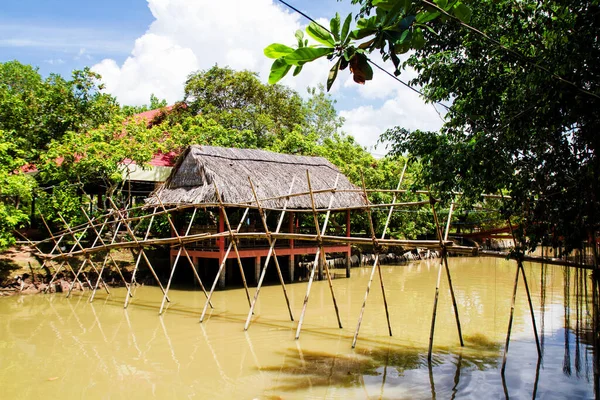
x,y
521,270
99,237
510,321
88,259
46,261
318,253
60,251
214,285
269,254
181,247
387,222
141,249
322,251
233,240
450,285
162,304
137,261
443,261
429,244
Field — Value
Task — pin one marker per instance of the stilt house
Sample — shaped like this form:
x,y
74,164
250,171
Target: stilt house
x,y
201,171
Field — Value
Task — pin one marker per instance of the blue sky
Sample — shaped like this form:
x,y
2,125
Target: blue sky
x,y
145,47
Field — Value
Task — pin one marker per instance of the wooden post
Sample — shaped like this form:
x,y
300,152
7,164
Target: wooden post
x,y
510,321
256,269
221,266
376,262
349,253
320,269
223,276
320,253
271,252
291,267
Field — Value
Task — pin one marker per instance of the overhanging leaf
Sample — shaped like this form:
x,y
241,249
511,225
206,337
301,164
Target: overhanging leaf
x,y
278,70
306,54
277,50
334,25
318,33
333,74
346,28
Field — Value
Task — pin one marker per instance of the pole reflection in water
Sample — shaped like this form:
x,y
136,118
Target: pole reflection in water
x,y
51,346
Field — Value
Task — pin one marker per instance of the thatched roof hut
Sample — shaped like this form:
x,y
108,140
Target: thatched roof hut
x,y
191,181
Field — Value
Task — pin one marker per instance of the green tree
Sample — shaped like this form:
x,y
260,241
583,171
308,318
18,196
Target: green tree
x,y
522,118
16,189
36,111
238,100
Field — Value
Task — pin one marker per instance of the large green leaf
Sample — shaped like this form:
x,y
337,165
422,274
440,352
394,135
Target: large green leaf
x,y
334,25
320,34
346,28
305,54
333,74
277,50
278,70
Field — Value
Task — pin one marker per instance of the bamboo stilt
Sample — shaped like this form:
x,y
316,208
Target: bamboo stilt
x,y
88,259
375,263
510,321
46,261
164,299
322,252
318,253
270,253
233,240
141,249
535,332
137,261
181,247
214,285
443,261
99,237
60,251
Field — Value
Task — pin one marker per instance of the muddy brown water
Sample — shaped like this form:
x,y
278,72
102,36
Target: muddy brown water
x,y
53,347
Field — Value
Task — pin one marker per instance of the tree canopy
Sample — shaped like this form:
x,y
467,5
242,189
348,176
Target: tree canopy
x,y
521,80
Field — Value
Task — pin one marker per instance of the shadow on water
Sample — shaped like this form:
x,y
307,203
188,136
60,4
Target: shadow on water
x,y
307,369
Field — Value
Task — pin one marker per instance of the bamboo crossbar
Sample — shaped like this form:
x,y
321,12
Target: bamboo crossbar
x,y
429,244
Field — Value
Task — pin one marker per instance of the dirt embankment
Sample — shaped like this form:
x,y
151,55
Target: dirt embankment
x,y
21,272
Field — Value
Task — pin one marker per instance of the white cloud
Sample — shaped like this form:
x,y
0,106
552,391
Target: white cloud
x,y
404,109
190,35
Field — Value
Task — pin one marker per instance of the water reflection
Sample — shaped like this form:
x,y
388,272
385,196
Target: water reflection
x,y
51,346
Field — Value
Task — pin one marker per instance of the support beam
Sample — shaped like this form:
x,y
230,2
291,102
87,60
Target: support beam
x,y
376,262
270,253
320,256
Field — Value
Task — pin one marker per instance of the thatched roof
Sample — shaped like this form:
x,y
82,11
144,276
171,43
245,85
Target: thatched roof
x,y
191,181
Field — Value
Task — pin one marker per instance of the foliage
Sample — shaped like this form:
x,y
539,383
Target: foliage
x,y
238,100
522,120
35,111
15,190
396,27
